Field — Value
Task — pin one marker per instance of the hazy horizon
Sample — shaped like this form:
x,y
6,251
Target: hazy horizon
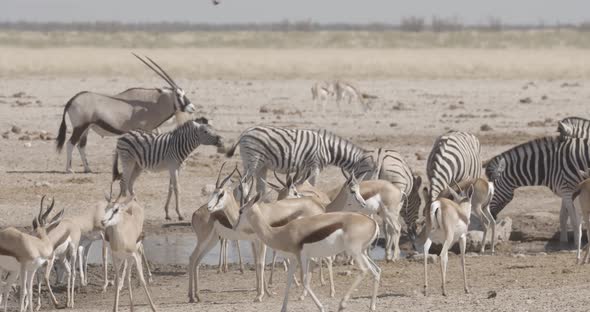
x,y
265,11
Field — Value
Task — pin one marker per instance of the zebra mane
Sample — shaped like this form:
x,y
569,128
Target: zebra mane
x,y
573,127
330,136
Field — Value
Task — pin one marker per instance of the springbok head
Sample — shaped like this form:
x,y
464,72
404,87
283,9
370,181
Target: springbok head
x,y
181,102
220,195
352,185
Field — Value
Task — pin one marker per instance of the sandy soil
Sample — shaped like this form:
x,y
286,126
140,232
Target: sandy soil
x,y
407,116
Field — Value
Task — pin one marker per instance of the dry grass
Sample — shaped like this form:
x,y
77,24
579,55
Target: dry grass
x,y
529,39
247,63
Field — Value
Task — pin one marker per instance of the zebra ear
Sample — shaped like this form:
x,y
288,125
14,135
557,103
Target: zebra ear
x,y
202,121
417,181
583,174
454,194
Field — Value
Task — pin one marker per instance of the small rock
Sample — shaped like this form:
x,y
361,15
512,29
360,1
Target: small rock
x,y
393,124
541,254
345,273
518,255
472,254
263,109
16,129
6,135
567,271
420,258
25,137
18,95
28,144
485,127
492,294
544,97
526,100
419,156
42,184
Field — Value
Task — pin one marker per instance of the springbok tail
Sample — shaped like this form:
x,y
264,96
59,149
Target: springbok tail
x,y
368,96
116,174
435,215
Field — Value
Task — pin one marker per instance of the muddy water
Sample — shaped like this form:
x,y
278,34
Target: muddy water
x,y
177,248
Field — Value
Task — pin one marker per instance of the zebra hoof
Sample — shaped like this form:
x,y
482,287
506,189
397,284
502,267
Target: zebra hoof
x,y
180,218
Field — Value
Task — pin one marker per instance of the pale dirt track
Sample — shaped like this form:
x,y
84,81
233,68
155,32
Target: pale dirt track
x,y
408,115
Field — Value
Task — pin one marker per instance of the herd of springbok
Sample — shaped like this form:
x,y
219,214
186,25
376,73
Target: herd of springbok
x,y
381,196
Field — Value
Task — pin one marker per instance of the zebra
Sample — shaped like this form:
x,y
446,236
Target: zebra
x,y
264,148
576,127
391,166
140,150
454,158
547,161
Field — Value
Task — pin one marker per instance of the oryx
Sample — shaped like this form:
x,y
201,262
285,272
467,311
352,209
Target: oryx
x,y
109,115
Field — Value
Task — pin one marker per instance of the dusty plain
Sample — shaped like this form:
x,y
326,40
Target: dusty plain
x,y
506,97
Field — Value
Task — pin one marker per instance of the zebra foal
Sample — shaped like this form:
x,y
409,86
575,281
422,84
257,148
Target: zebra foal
x,y
139,150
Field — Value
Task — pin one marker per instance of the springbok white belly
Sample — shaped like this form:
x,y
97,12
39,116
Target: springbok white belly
x,y
438,235
328,246
61,249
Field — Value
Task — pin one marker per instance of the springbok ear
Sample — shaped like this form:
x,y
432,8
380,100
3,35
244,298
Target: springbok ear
x,y
583,174
470,192
485,163
202,121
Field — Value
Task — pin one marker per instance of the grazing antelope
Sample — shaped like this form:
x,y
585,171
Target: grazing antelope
x,y
379,197
483,191
109,115
345,89
22,254
446,223
140,151
322,235
123,222
321,92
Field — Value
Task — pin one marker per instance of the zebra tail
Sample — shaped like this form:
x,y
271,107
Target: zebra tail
x,y
232,150
116,174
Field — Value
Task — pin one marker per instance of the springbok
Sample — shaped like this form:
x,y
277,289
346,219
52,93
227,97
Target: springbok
x,y
446,223
583,195
321,92
483,191
345,89
110,115
123,222
22,254
322,235
378,197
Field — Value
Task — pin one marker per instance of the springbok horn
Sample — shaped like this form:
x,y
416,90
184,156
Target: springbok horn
x,y
48,211
163,71
155,71
458,187
228,177
41,209
219,175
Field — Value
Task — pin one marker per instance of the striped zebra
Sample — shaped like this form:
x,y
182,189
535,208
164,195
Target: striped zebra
x,y
547,161
283,150
454,158
575,127
391,166
139,150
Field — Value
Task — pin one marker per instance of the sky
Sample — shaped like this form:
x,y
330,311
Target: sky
x,y
323,11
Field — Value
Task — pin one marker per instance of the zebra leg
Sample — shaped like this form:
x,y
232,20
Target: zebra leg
x,y
174,181
575,222
82,151
563,214
170,190
260,185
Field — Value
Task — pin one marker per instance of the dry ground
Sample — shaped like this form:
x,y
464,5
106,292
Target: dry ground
x,y
407,116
